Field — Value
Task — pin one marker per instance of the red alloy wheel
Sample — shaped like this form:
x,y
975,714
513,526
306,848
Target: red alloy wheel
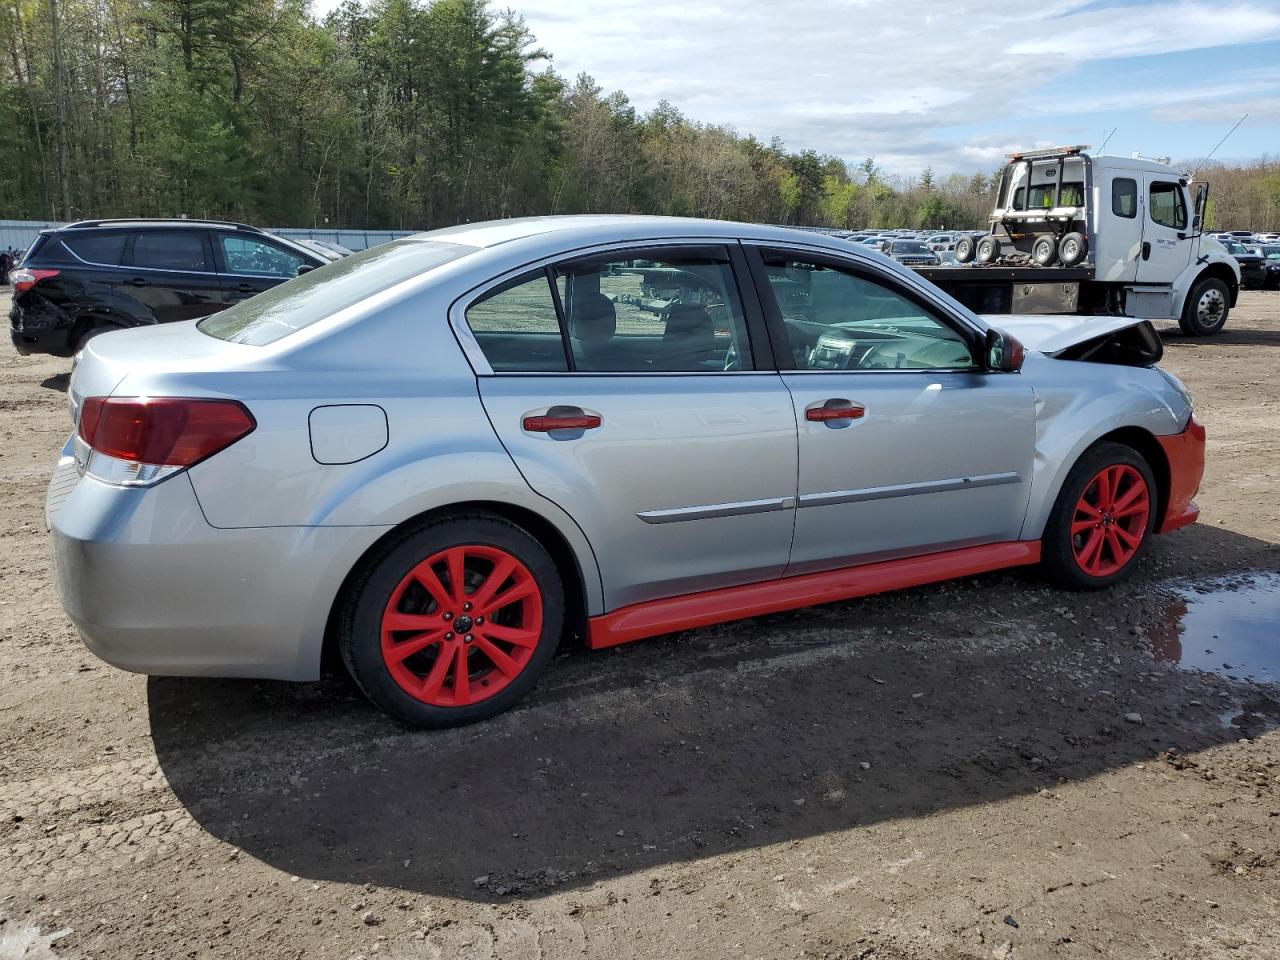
x,y
1110,520
461,625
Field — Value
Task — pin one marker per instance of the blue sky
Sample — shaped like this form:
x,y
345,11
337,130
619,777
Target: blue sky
x,y
953,84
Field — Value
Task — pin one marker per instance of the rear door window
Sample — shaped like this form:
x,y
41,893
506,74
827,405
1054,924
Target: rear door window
x,y
250,256
181,250
517,327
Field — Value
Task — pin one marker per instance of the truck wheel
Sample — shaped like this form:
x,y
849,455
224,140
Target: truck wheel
x,y
1045,250
1072,249
964,249
1206,309
988,249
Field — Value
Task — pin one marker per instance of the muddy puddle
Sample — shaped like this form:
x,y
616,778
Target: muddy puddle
x,y
1228,626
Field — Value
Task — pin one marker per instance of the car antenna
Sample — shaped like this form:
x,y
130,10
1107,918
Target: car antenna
x,y
1216,145
1108,140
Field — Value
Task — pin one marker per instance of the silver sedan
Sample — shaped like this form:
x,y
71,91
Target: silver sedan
x,y
444,454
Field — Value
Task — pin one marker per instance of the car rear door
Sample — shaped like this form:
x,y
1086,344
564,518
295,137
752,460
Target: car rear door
x,y
906,445
248,264
627,392
168,272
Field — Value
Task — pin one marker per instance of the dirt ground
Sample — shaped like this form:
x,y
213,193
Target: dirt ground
x,y
983,769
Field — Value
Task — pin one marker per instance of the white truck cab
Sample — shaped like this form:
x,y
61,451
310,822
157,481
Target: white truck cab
x,y
1076,233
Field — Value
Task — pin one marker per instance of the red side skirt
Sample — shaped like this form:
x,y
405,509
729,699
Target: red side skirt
x,y
771,596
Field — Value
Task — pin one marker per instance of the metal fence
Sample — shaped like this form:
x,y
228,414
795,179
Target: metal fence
x,y
20,233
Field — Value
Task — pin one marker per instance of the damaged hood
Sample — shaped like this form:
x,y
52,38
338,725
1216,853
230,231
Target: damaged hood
x,y
1051,333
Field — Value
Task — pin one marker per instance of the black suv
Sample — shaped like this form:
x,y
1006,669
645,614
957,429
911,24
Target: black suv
x,y
99,275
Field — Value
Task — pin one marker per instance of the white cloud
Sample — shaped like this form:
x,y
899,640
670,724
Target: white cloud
x,y
952,86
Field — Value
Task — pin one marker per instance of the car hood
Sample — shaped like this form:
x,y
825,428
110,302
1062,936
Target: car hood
x,y
1051,333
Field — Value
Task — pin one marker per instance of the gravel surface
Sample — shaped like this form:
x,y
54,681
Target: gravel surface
x,y
982,769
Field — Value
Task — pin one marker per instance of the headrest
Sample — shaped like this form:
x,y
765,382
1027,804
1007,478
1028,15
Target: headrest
x,y
594,318
686,320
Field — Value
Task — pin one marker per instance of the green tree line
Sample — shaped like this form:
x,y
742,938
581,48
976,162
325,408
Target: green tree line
x,y
405,114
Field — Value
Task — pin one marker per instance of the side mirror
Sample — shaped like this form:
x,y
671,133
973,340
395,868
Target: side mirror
x,y
1004,353
305,268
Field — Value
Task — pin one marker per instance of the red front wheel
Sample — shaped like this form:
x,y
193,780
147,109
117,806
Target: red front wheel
x,y
455,622
1102,520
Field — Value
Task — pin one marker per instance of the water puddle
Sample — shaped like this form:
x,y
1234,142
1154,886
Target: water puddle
x,y
1228,626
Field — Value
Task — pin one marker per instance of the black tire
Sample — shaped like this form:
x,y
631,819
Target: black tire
x,y
360,637
987,249
95,331
1072,249
1045,250
964,249
1059,547
1207,307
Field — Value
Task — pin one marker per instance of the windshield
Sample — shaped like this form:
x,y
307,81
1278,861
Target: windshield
x,y
324,291
910,246
1271,251
1233,247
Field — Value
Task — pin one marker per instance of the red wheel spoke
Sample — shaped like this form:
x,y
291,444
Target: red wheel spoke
x,y
514,635
1089,552
461,677
506,666
1136,492
1106,493
402,651
434,679
502,570
456,560
505,589
1129,540
426,576
1080,526
517,592
1140,506
1087,508
417,622
1119,554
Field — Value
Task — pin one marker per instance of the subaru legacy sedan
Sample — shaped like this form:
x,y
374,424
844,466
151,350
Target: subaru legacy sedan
x,y
443,455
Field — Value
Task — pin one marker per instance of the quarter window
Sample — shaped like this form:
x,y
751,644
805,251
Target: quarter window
x,y
840,320
250,257
666,311
170,250
1167,205
103,248
1124,197
517,328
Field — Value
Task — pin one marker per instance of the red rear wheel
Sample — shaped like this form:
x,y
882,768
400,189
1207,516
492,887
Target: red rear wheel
x,y
1110,520
461,625
453,621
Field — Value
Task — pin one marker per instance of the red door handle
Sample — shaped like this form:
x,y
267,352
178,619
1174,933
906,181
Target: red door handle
x,y
581,421
824,414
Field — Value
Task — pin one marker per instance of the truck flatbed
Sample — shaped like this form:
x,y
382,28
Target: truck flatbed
x,y
946,277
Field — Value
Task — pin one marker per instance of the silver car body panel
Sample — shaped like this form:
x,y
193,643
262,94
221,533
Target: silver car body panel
x,y
693,481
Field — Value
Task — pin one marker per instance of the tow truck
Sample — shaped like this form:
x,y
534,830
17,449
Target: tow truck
x,y
1073,233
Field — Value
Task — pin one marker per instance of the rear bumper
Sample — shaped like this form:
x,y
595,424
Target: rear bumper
x,y
152,588
39,331
1185,454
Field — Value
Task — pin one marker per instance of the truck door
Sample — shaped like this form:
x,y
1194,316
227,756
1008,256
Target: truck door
x,y
1166,230
1118,226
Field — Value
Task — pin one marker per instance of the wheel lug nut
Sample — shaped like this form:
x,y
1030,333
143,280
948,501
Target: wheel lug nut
x,y
479,620
466,606
448,616
449,635
467,639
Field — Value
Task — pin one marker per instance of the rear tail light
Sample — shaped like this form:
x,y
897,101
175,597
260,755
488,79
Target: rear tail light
x,y
26,278
140,440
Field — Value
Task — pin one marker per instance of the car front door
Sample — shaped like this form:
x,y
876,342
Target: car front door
x,y
906,445
625,388
249,264
1166,243
169,273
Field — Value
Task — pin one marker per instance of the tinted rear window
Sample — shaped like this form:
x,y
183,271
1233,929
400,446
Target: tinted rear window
x,y
324,291
181,250
105,248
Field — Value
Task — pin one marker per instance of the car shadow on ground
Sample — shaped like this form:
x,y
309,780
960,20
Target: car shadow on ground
x,y
59,381
1230,335
710,742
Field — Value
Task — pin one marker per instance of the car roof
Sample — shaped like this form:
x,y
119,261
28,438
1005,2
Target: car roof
x,y
588,229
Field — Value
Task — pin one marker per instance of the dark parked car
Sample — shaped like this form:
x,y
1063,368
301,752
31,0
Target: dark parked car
x,y
914,253
99,275
1253,268
1270,252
